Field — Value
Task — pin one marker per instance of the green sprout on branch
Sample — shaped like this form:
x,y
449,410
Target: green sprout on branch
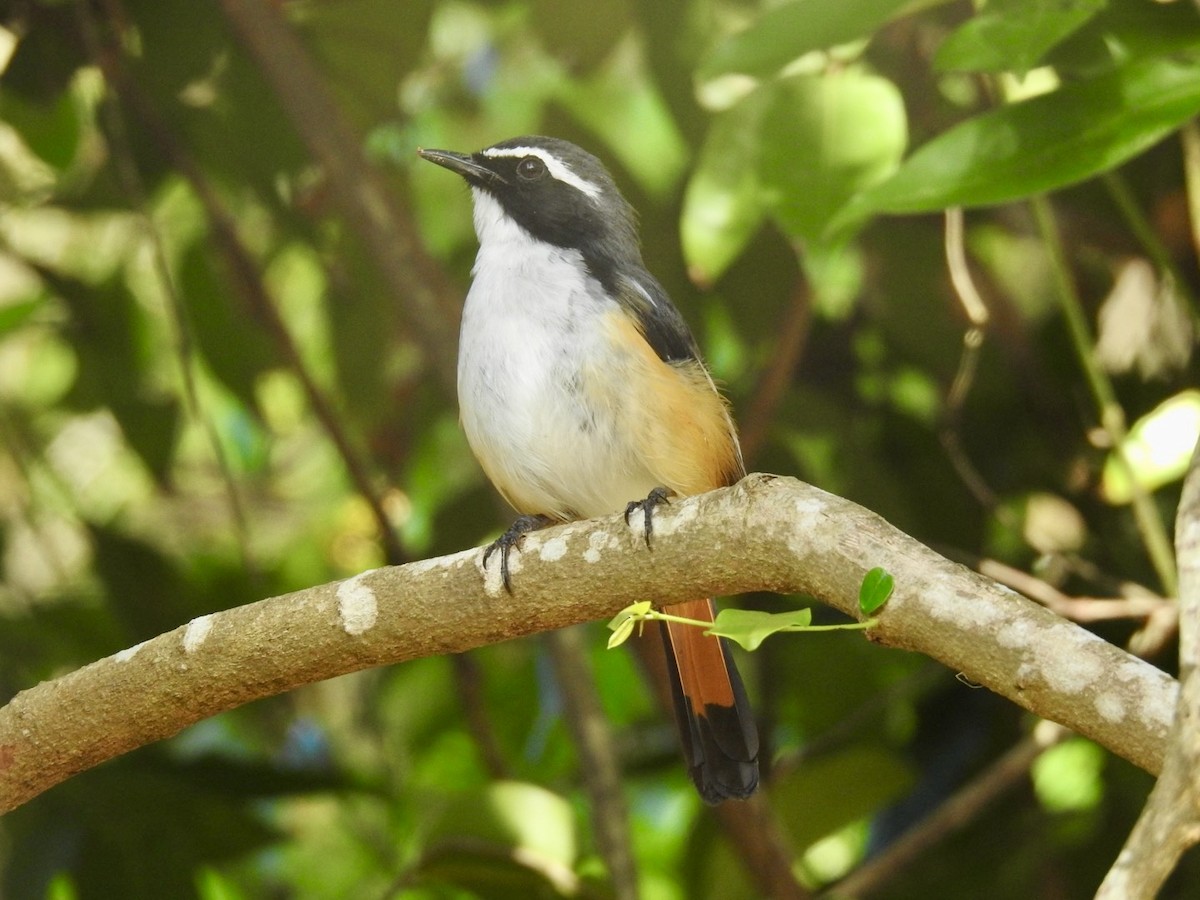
x,y
750,627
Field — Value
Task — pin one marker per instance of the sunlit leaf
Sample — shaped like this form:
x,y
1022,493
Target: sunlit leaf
x,y
1048,142
825,138
1068,777
522,815
1158,448
723,205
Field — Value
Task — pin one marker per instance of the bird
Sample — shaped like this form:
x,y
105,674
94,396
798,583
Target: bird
x,y
582,393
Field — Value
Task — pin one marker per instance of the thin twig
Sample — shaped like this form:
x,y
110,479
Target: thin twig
x,y
773,384
959,810
416,284
468,684
1190,135
1126,203
960,272
1112,417
104,56
756,834
597,759
977,315
1077,609
253,292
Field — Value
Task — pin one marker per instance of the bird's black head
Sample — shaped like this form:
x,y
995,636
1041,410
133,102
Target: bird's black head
x,y
556,191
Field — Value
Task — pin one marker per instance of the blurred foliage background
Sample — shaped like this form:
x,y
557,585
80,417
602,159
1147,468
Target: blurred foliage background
x,y
227,302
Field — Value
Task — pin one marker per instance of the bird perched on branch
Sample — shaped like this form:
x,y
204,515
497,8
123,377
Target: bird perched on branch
x,y
582,393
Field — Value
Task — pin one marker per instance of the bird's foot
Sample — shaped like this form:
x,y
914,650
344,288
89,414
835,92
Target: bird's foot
x,y
511,540
654,499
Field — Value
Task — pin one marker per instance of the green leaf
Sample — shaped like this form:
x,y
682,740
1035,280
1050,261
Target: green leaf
x,y
1069,777
750,627
1125,32
1157,448
152,426
621,630
509,839
584,33
118,810
364,47
1041,144
236,344
605,103
14,315
829,791
1013,35
51,130
875,590
723,205
824,138
798,148
212,885
789,31
622,623
105,329
148,591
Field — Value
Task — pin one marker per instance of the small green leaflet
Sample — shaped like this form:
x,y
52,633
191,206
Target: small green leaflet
x,y
875,590
622,623
750,627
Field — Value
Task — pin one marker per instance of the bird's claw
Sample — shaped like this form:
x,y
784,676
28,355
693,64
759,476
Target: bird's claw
x,y
511,540
653,500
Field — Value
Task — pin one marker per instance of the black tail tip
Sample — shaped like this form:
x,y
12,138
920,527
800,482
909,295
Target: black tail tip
x,y
733,780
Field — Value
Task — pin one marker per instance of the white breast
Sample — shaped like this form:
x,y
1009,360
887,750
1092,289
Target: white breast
x,y
530,341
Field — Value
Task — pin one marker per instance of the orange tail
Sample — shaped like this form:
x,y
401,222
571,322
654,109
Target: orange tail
x,y
716,726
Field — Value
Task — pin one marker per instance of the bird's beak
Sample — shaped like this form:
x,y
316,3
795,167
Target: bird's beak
x,y
464,165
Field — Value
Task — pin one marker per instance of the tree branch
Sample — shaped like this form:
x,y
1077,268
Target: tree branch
x,y
1170,822
958,811
765,533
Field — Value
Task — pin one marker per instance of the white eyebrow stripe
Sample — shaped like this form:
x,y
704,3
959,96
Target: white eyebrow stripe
x,y
553,165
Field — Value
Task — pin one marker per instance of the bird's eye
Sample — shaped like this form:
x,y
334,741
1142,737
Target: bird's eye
x,y
531,168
